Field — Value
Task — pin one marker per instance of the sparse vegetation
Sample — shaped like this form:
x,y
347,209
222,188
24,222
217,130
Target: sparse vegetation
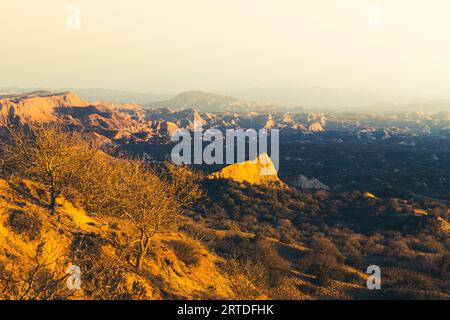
x,y
46,153
39,280
68,166
270,242
26,222
187,251
323,261
341,229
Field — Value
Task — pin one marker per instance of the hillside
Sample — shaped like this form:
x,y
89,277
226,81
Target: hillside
x,y
37,248
116,96
30,237
204,101
38,106
340,234
95,94
120,228
112,121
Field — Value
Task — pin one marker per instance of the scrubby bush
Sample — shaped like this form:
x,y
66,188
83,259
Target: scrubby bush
x,y
41,279
353,256
26,222
264,253
324,261
187,251
248,280
199,233
106,278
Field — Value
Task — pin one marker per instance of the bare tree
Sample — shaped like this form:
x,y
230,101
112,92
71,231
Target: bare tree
x,y
46,153
42,279
97,185
153,201
64,162
151,198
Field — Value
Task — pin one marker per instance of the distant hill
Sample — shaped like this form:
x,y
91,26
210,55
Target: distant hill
x,y
280,99
205,101
94,94
108,95
417,105
107,120
292,97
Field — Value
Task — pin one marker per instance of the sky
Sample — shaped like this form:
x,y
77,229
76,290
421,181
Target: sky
x,y
166,46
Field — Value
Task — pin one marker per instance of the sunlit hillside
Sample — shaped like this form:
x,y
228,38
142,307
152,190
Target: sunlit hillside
x,y
79,222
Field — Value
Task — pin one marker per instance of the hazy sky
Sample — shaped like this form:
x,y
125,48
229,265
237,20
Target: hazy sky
x,y
166,46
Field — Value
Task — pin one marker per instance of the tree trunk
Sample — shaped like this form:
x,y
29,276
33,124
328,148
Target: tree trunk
x,y
53,196
139,261
143,247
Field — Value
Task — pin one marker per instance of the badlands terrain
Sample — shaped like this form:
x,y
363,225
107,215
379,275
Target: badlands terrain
x,y
353,190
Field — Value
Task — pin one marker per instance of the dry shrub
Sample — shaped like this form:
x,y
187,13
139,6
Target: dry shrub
x,y
264,253
106,279
324,261
254,268
247,280
104,276
288,290
41,278
199,233
187,251
26,223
